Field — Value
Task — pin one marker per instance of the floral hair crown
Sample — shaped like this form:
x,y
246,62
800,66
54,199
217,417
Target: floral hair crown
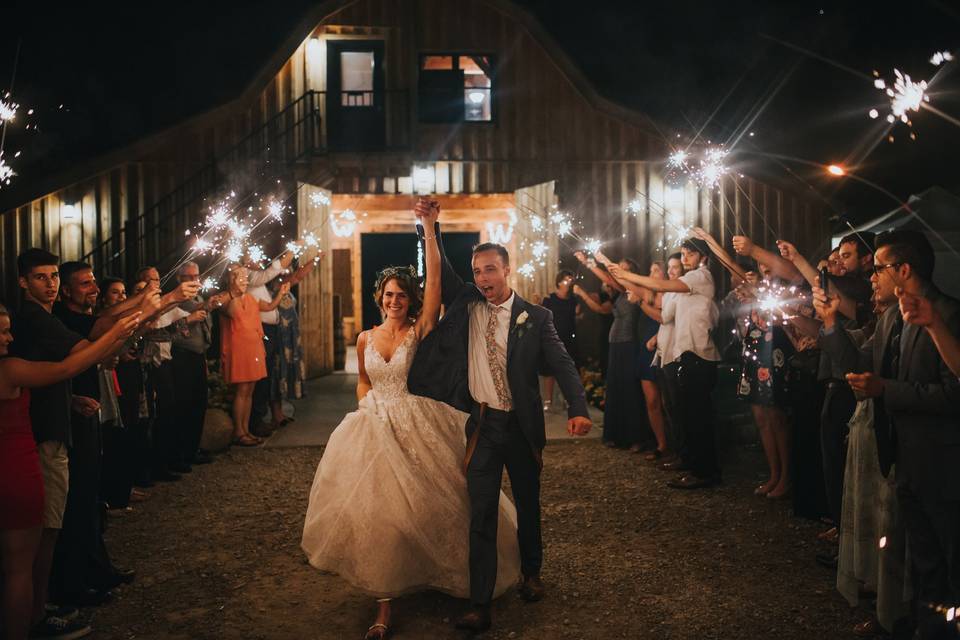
x,y
407,272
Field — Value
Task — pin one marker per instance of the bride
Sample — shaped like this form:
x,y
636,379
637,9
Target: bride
x,y
389,510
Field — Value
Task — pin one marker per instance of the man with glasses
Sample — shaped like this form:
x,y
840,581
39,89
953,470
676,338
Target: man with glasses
x,y
916,400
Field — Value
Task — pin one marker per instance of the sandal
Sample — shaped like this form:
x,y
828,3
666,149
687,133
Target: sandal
x,y
246,441
378,631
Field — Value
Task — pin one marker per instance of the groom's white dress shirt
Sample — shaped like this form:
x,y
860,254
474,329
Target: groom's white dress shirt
x,y
482,388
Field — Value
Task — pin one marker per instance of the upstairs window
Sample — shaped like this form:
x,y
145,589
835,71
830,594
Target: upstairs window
x,y
456,88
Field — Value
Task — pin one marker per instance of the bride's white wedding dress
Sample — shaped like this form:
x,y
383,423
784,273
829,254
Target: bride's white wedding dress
x,y
389,510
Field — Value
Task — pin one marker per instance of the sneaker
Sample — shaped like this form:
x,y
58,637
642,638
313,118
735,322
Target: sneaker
x,y
64,611
55,628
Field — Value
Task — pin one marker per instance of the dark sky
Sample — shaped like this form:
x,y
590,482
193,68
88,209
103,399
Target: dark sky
x,y
123,70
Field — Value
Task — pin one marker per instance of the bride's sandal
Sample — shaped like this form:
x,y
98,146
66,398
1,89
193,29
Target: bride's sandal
x,y
378,631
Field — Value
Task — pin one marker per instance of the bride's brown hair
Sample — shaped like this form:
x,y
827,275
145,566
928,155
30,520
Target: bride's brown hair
x,y
407,280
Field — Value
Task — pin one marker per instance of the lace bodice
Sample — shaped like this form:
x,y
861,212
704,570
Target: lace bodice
x,y
389,379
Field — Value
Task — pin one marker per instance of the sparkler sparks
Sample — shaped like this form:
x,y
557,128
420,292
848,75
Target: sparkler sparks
x,y
635,206
5,171
234,252
527,270
712,167
318,199
256,253
677,159
8,109
276,210
593,245
344,224
208,285
940,57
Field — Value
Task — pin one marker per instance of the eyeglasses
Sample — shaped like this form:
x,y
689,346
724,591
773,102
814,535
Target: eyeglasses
x,y
877,268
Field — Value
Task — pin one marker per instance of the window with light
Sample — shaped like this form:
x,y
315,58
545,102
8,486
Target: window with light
x,y
456,88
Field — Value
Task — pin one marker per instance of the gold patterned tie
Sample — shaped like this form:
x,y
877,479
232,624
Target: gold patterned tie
x,y
496,371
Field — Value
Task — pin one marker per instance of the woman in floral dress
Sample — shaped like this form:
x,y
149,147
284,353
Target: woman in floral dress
x,y
765,383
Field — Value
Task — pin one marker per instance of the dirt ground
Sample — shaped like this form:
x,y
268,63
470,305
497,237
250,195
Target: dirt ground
x,y
217,556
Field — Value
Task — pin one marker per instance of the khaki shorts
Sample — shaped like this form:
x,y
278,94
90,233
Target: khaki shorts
x,y
56,476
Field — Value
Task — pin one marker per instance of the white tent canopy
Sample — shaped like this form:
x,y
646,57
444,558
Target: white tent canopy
x,y
936,212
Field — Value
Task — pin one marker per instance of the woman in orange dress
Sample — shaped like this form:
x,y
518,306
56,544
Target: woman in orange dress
x,y
242,355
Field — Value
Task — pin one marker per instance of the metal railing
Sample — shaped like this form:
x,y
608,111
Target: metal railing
x,y
262,156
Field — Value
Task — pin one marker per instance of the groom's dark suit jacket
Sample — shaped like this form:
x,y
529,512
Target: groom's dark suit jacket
x,y
439,369
917,419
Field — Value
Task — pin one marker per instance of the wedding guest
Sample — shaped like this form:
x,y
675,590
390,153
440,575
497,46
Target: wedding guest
x,y
666,366
22,494
695,317
83,572
265,397
650,304
765,380
116,480
919,310
623,415
901,369
242,354
871,514
190,342
563,303
290,363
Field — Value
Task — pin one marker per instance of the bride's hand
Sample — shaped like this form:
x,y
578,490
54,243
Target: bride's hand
x,y
427,211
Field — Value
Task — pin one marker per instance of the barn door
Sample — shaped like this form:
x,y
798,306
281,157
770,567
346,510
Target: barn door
x,y
536,200
316,290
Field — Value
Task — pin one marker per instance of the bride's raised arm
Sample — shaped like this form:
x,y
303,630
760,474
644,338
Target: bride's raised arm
x,y
428,211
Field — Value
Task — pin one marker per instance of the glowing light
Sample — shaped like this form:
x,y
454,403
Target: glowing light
x,y
5,171
476,97
499,233
883,542
527,270
539,250
677,159
234,252
536,223
275,209
593,246
256,254
8,110
836,170
318,199
951,614
69,212
940,57
424,179
712,167
208,285
201,245
905,95
295,248
311,240
874,114
635,206
344,224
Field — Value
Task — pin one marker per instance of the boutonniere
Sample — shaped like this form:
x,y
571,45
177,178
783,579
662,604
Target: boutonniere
x,y
520,325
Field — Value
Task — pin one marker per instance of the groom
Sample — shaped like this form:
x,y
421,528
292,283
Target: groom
x,y
483,358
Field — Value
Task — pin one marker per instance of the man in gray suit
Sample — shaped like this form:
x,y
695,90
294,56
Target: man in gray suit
x,y
917,417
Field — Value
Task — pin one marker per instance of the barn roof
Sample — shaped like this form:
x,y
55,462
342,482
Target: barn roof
x,y
26,191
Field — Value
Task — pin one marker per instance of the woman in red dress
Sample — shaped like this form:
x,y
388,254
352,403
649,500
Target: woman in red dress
x,y
21,484
242,354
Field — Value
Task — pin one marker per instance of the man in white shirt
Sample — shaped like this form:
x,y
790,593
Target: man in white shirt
x,y
694,316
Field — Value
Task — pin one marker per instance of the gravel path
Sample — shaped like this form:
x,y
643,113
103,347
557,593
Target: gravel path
x,y
217,556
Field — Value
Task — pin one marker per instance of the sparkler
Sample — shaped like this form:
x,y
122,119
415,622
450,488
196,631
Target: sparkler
x,y
255,253
344,224
8,109
276,210
593,245
677,159
5,171
527,270
208,284
318,199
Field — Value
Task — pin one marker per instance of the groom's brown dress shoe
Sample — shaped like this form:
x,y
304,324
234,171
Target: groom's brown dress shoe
x,y
477,620
532,589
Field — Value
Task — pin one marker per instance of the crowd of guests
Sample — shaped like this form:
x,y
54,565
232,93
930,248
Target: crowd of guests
x,y
849,366
103,394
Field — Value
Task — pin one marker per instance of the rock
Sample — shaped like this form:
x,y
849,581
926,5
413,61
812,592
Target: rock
x,y
217,431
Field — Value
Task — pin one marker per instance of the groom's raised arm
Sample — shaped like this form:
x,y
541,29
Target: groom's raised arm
x,y
561,366
450,282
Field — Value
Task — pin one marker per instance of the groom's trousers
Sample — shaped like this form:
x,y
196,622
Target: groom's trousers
x,y
500,444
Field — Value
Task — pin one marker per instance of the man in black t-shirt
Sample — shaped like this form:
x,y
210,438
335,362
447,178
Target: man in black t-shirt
x,y
563,304
42,337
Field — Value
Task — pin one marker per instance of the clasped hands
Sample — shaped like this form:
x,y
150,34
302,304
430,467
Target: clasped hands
x,y
427,212
579,426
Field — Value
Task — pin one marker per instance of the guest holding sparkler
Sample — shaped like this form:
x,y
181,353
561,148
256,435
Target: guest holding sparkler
x,y
564,305
650,303
695,317
290,364
242,354
918,428
622,411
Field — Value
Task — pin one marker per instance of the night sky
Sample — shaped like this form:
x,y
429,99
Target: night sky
x,y
124,70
